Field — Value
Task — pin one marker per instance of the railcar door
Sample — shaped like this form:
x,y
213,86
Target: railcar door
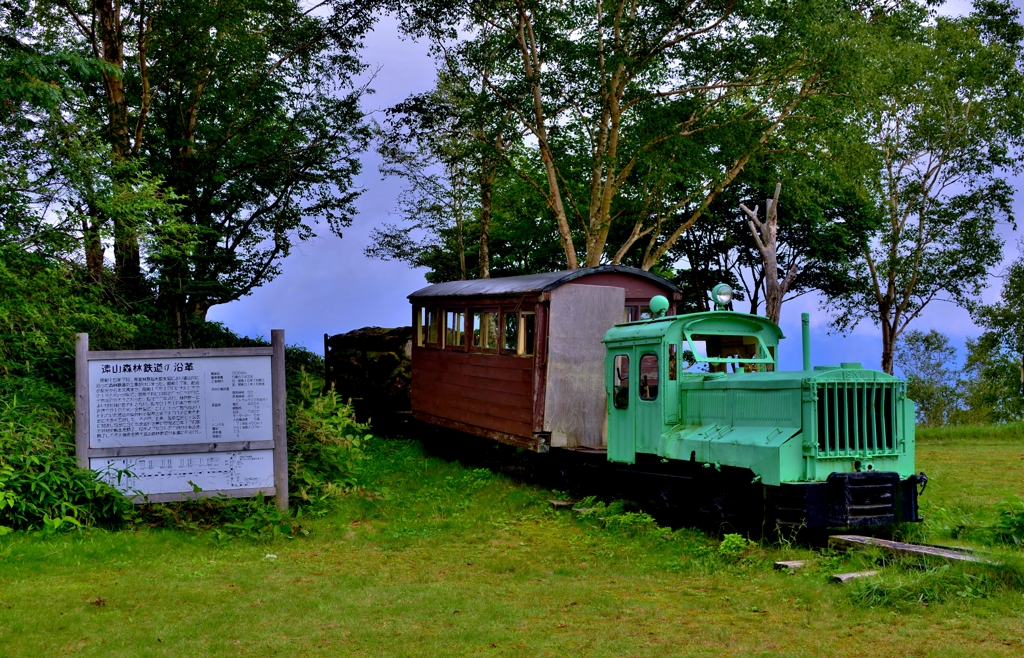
x,y
622,405
649,398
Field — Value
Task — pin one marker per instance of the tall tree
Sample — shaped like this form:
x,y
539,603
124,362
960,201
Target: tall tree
x,y
948,125
925,359
822,224
449,145
59,188
765,234
1004,321
244,113
991,384
614,93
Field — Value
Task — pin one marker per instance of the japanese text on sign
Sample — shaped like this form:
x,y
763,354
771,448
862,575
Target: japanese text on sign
x,y
168,402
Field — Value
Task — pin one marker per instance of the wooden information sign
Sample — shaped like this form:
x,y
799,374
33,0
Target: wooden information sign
x,y
180,424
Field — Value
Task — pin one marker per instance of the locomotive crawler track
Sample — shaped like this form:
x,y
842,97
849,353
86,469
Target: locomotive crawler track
x,y
675,493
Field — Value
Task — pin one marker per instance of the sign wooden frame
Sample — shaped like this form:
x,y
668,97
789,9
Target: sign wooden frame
x,y
279,443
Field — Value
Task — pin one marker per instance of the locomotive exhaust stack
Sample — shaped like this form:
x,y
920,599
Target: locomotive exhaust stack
x,y
805,336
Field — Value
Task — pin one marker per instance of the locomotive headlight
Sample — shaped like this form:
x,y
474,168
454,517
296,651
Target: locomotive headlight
x,y
722,294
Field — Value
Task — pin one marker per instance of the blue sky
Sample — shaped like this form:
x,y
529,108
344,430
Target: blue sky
x,y
329,286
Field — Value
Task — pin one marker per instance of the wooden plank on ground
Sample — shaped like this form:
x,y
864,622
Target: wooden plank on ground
x,y
901,548
844,577
789,565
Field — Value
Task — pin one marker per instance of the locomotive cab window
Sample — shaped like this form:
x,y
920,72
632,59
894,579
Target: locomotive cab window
x,y
620,382
738,352
649,377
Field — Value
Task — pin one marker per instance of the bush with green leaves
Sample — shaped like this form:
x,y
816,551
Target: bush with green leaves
x,y
43,304
226,518
1008,527
41,486
734,547
325,444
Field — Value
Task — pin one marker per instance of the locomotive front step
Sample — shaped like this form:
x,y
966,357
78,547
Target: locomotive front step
x,y
847,500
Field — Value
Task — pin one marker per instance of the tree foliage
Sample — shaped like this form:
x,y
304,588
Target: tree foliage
x,y
195,142
996,358
947,127
928,361
638,115
824,219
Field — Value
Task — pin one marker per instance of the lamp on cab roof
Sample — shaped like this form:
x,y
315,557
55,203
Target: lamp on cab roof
x,y
659,306
722,294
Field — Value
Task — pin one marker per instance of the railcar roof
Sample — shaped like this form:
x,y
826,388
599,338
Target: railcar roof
x,y
709,321
532,283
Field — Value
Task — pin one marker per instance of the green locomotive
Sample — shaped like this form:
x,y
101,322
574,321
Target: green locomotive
x,y
699,396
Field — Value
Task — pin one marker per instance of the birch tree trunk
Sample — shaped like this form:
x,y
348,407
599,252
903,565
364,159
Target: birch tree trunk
x,y
766,237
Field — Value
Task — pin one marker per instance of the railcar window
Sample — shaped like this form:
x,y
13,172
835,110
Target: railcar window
x,y
629,313
455,329
527,326
511,338
673,362
645,313
485,330
431,322
620,382
419,320
649,377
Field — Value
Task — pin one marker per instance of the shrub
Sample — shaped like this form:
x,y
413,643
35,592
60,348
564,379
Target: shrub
x,y
43,304
936,585
253,518
325,444
41,486
1008,527
632,523
734,547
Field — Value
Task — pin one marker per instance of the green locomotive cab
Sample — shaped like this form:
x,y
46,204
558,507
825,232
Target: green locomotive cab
x,y
831,446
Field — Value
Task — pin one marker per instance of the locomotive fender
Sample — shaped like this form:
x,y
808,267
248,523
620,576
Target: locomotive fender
x,y
772,453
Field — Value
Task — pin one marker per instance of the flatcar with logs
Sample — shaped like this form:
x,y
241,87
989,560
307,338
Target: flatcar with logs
x,y
592,365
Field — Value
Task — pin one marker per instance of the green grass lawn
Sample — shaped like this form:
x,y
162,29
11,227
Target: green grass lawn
x,y
972,468
449,560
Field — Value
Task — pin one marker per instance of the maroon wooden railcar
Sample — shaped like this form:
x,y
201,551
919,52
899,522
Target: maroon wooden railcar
x,y
520,359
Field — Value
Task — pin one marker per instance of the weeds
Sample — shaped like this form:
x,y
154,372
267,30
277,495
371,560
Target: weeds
x,y
226,518
41,486
1008,527
734,547
900,587
325,445
953,522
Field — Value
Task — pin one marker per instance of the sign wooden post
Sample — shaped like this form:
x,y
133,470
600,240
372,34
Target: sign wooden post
x,y
280,419
168,425
82,400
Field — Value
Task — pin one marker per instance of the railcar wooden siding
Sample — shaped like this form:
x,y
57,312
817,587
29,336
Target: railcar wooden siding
x,y
486,390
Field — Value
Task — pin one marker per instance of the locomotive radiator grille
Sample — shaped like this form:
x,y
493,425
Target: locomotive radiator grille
x,y
856,419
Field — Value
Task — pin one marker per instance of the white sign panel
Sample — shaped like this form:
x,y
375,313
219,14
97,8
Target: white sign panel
x,y
210,471
178,401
